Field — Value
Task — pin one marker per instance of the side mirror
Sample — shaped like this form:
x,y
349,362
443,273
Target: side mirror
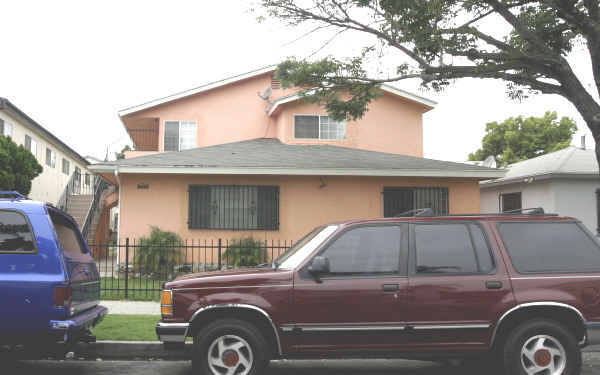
x,y
319,266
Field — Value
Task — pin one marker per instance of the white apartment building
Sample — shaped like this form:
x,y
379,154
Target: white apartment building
x,y
59,161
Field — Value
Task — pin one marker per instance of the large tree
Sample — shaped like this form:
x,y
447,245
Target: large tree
x,y
523,42
519,138
18,166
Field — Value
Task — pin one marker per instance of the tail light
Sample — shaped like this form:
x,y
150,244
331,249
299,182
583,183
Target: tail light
x,y
62,296
166,303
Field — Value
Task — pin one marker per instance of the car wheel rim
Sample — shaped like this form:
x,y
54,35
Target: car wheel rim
x,y
230,355
543,355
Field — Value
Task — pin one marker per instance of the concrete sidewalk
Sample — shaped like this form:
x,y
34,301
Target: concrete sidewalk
x,y
132,307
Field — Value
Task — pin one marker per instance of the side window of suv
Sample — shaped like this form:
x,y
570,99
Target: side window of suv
x,y
15,233
551,247
451,249
366,250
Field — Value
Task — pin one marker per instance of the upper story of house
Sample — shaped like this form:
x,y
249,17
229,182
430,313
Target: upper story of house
x,y
59,161
255,105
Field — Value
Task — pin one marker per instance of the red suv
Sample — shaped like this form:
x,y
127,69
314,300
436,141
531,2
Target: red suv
x,y
525,287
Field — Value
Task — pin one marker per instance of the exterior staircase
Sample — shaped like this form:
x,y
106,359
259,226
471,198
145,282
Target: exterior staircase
x,y
84,199
78,207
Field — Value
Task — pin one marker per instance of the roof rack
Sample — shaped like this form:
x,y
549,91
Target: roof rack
x,y
428,212
419,212
525,211
11,195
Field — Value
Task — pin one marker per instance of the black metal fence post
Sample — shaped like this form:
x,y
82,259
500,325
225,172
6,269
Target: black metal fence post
x,y
126,266
219,253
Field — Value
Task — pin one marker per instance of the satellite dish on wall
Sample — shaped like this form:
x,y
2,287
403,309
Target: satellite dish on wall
x,y
266,94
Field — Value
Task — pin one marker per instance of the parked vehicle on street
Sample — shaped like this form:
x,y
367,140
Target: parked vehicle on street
x,y
49,283
521,287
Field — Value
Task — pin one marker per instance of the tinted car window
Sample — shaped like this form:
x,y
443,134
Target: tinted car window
x,y
451,248
482,249
550,247
15,233
68,235
365,250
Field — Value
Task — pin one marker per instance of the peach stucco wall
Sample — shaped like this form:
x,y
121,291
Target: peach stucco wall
x,y
390,125
303,203
227,114
235,113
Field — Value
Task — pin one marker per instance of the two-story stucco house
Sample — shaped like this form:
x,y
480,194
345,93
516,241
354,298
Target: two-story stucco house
x,y
59,161
243,156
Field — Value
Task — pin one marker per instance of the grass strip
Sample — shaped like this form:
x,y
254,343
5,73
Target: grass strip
x,y
118,327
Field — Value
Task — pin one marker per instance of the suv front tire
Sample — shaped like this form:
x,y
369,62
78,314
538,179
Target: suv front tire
x,y
229,346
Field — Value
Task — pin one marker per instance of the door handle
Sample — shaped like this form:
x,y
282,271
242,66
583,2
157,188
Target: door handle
x,y
493,284
391,287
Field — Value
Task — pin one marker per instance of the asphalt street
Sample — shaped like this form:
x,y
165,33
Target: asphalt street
x,y
347,367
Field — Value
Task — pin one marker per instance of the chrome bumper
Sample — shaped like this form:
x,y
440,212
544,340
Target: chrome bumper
x,y
78,325
592,333
84,320
172,332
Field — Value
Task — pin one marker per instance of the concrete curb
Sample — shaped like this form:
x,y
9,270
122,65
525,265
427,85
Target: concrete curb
x,y
156,350
131,350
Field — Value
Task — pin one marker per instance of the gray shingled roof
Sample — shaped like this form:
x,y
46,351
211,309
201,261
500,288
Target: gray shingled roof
x,y
270,153
569,162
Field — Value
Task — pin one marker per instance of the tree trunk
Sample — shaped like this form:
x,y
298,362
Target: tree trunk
x,y
586,106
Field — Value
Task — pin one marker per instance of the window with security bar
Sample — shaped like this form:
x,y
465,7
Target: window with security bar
x,y
397,200
233,207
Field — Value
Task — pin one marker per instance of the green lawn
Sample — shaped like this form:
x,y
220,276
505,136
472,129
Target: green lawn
x,y
139,289
127,328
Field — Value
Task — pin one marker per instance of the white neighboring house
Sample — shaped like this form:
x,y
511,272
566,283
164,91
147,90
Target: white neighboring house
x,y
562,182
59,161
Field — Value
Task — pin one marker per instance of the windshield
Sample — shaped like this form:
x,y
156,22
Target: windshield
x,y
297,253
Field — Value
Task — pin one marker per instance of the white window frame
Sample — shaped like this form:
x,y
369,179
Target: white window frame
x,y
322,139
8,129
52,157
68,164
32,145
179,122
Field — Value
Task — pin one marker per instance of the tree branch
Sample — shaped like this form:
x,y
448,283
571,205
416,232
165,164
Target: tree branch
x,y
589,26
593,9
306,34
327,42
350,23
575,18
527,34
521,79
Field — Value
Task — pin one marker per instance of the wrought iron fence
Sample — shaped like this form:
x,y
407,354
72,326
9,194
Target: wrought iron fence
x,y
136,268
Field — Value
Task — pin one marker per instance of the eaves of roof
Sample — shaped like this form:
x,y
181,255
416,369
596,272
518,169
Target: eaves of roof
x,y
196,90
428,103
439,173
537,177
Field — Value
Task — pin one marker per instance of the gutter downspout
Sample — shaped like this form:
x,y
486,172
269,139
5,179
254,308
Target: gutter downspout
x,y
118,217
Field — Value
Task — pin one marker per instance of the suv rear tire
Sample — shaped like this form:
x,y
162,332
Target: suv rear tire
x,y
229,346
541,344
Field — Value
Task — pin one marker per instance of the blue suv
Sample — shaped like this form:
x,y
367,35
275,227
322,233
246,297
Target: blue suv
x,y
49,283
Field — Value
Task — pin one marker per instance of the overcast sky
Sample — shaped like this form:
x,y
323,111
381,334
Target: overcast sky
x,y
71,65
